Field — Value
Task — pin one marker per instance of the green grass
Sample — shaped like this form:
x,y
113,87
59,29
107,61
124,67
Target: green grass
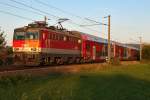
x,y
130,82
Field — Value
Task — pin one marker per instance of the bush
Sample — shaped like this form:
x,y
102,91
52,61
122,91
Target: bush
x,y
6,81
1,62
9,61
146,52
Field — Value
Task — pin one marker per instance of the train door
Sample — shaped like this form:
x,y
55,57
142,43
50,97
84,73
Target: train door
x,y
114,53
46,40
94,53
43,38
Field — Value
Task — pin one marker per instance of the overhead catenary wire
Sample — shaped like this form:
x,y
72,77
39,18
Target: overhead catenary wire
x,y
134,40
58,9
20,8
66,12
91,20
22,17
83,27
36,9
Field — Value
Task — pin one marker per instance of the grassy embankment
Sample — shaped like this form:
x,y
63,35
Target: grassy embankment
x,y
127,82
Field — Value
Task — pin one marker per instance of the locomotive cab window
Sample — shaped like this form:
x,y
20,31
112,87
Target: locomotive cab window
x,y
19,35
32,35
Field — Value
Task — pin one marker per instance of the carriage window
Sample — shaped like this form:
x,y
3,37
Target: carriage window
x,y
19,35
61,37
53,36
57,37
104,51
67,38
88,47
125,52
49,36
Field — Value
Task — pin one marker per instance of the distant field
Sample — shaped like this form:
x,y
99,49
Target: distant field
x,y
126,82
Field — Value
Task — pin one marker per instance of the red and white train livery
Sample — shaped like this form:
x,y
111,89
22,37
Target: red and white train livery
x,y
38,44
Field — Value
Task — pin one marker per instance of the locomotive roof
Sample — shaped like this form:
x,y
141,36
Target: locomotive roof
x,y
59,31
65,32
19,29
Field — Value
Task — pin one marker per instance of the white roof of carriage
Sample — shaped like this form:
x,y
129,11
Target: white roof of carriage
x,y
93,38
102,40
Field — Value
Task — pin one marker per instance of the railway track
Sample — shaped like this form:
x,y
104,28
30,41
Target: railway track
x,y
21,67
40,70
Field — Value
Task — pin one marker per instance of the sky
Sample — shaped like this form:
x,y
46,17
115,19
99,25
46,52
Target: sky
x,y
129,18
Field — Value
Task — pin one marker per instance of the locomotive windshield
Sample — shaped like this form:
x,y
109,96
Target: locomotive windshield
x,y
32,35
19,35
26,36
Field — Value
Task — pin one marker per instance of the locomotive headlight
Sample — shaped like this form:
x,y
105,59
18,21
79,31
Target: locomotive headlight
x,y
33,49
39,49
15,49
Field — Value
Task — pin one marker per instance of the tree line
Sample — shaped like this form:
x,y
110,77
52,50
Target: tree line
x,y
5,51
146,52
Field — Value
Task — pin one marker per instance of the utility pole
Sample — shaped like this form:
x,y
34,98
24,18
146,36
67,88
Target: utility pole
x,y
103,28
109,45
140,48
45,19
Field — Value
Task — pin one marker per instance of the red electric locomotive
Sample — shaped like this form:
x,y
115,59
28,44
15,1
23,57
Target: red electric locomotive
x,y
37,44
40,44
